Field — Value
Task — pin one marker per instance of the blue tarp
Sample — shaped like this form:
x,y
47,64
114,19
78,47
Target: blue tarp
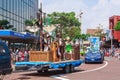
x,y
54,65
31,63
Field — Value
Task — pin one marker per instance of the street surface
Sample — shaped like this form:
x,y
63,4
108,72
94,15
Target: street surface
x,y
109,70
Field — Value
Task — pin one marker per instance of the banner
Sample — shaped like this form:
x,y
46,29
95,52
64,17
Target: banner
x,y
110,34
95,43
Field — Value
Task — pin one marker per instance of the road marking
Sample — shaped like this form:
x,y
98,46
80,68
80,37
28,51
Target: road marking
x,y
60,78
106,63
108,58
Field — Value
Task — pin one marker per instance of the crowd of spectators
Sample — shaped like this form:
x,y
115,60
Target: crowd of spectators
x,y
19,55
115,52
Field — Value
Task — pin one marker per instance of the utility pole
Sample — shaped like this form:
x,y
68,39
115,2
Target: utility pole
x,y
111,30
80,16
80,44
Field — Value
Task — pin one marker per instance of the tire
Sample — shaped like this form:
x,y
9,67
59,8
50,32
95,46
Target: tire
x,y
45,70
72,68
86,62
66,69
39,71
101,62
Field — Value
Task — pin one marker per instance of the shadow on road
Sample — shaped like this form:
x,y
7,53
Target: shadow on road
x,y
24,78
49,73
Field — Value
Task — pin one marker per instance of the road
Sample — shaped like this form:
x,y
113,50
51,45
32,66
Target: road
x,y
109,70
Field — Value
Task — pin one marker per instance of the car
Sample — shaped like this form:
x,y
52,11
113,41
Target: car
x,y
94,56
5,59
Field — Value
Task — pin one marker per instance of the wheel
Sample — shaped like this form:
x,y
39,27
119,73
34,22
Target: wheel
x,y
39,71
67,69
101,61
72,68
86,62
45,70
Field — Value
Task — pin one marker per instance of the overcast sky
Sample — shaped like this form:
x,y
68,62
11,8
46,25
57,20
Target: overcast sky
x,y
95,12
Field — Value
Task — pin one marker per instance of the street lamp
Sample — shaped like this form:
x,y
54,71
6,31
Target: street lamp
x,y
80,18
80,15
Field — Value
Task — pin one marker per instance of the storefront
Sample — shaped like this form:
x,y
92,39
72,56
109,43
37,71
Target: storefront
x,y
12,37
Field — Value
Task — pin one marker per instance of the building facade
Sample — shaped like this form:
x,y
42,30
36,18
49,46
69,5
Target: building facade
x,y
17,11
112,23
93,32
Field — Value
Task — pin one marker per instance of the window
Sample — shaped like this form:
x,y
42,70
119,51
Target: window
x,y
2,49
0,3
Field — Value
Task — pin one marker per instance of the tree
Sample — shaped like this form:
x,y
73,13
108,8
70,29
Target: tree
x,y
100,33
72,32
47,21
4,24
28,23
117,27
84,36
64,19
14,29
9,26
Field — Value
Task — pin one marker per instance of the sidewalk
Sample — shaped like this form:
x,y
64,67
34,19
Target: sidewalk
x,y
111,58
13,67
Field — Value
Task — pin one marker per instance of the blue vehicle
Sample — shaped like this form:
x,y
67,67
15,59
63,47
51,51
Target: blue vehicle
x,y
67,66
94,56
5,59
46,65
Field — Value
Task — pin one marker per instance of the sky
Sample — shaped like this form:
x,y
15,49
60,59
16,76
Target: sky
x,y
96,13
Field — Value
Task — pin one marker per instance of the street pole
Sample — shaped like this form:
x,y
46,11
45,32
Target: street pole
x,y
80,15
80,45
111,42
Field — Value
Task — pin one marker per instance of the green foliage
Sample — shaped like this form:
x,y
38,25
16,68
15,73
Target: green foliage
x,y
83,36
47,21
64,19
117,27
4,24
29,23
9,26
14,29
69,24
72,32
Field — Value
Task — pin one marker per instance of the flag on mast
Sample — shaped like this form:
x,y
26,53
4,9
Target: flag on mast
x,y
110,34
